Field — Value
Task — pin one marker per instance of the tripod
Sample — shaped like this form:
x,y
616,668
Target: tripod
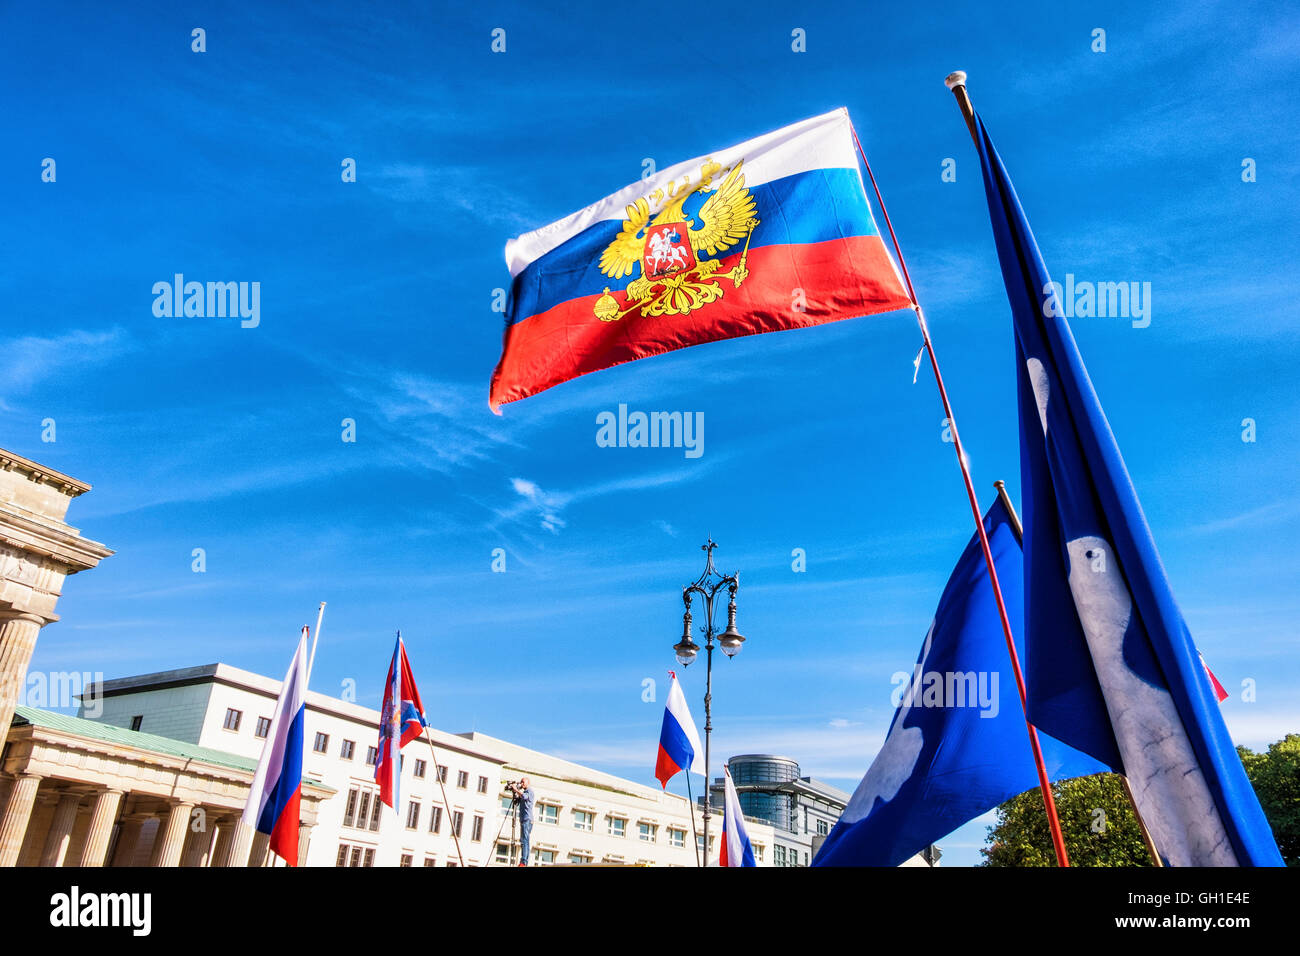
x,y
514,822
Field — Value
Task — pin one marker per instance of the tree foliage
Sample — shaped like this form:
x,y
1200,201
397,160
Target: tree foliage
x,y
1101,829
1097,821
1275,775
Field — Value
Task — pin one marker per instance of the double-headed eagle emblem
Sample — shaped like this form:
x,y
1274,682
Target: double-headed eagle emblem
x,y
675,278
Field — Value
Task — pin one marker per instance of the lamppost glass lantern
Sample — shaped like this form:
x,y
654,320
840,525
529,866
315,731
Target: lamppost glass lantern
x,y
686,652
731,639
686,648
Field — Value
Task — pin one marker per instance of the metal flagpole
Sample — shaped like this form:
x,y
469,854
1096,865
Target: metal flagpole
x,y
694,835
315,639
1142,824
446,806
1018,528
1058,841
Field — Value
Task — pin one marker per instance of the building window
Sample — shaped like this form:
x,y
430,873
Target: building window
x,y
413,815
646,832
419,768
356,856
363,810
232,718
617,826
462,779
543,856
374,814
430,861
676,837
342,858
482,784
442,773
457,818
548,813
778,856
322,743
503,853
758,853
263,728
823,828
372,756
406,860
347,749
584,820
476,833
579,857
138,719
370,857
435,819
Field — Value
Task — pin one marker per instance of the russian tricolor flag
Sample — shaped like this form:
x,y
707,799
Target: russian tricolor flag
x,y
276,790
679,741
736,848
774,233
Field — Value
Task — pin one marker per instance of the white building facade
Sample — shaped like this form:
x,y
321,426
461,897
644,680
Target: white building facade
x,y
452,804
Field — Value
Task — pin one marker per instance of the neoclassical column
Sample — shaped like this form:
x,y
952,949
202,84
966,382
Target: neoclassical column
x,y
38,550
241,841
304,841
101,827
172,833
197,845
221,849
128,843
261,846
18,812
65,818
18,631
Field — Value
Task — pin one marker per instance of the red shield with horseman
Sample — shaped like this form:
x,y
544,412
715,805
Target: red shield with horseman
x,y
667,250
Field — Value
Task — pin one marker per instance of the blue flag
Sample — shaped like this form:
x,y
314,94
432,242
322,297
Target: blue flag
x,y
1110,666
958,745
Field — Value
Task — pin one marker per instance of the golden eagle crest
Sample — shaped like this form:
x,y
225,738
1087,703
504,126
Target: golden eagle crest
x,y
675,278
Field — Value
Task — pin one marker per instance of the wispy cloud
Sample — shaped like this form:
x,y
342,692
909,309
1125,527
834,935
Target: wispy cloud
x,y
533,502
1271,513
546,506
27,360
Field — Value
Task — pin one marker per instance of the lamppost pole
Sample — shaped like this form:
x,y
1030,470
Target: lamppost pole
x,y
729,640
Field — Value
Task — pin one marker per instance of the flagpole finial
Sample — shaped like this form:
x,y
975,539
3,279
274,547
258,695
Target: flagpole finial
x,y
956,81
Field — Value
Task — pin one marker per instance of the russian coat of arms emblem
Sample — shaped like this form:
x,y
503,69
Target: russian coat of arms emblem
x,y
670,249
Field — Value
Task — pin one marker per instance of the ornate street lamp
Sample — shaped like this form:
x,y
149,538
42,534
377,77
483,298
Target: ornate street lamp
x,y
708,586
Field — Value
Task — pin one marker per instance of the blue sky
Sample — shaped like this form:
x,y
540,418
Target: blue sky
x,y
376,305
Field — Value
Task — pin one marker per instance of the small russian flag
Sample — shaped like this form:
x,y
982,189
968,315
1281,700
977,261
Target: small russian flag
x,y
679,741
276,791
736,848
1219,693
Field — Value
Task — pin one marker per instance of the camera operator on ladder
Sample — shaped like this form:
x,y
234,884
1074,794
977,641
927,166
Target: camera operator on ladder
x,y
524,798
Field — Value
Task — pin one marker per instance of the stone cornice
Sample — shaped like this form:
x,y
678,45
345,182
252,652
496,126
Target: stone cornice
x,y
9,461
67,547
